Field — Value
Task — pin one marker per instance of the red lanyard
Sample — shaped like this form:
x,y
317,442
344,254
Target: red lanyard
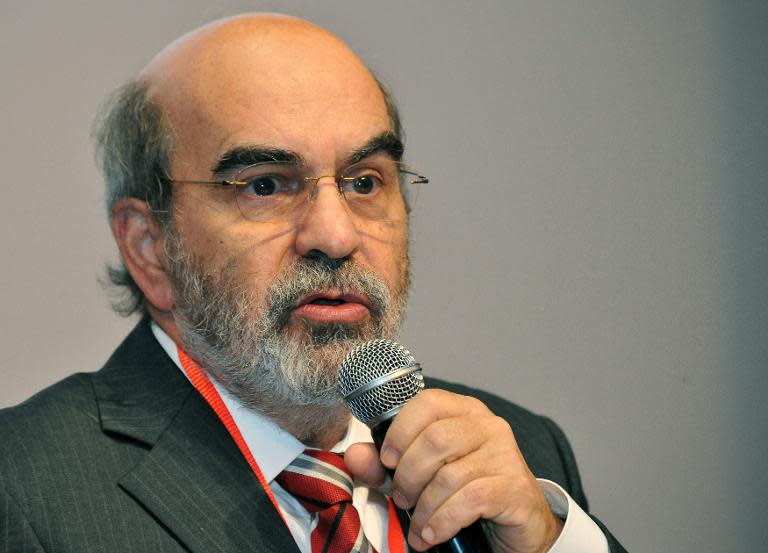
x,y
205,387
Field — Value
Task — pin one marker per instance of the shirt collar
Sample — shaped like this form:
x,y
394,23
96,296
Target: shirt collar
x,y
272,447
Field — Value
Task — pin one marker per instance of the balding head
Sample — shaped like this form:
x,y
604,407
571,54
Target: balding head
x,y
275,76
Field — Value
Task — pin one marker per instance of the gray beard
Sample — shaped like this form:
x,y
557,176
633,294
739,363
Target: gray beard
x,y
283,368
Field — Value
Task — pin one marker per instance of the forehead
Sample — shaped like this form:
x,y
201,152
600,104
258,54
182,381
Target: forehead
x,y
285,86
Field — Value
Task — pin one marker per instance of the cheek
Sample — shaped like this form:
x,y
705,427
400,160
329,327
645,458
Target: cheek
x,y
387,253
259,257
403,264
252,254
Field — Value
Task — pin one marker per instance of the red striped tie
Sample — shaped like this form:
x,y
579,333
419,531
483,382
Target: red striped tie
x,y
321,482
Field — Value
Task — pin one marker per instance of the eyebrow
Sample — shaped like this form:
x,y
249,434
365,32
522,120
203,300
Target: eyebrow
x,y
243,156
386,142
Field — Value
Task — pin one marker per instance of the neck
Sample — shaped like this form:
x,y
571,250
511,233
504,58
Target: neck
x,y
165,320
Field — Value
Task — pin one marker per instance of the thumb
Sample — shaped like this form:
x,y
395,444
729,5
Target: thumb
x,y
362,460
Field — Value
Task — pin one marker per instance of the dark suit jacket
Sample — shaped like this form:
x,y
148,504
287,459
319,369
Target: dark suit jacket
x,y
132,459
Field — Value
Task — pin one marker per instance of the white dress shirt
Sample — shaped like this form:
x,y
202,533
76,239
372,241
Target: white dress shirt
x,y
580,533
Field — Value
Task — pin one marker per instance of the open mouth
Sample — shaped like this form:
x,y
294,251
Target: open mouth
x,y
333,306
326,301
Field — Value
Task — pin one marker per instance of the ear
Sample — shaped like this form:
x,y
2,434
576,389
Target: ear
x,y
141,241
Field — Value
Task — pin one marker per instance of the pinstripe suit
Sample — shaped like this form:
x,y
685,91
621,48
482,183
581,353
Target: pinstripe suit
x,y
132,459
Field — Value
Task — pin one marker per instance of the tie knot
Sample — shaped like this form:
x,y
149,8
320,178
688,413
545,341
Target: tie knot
x,y
319,479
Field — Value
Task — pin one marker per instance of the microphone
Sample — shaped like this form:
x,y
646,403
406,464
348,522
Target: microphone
x,y
376,379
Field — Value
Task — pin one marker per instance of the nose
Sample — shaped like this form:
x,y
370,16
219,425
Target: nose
x,y
327,226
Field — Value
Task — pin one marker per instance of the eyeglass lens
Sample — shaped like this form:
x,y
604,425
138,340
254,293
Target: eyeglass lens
x,y
280,191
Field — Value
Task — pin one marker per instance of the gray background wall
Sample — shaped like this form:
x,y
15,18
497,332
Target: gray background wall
x,y
593,243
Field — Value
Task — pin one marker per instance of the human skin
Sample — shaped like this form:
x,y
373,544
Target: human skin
x,y
278,82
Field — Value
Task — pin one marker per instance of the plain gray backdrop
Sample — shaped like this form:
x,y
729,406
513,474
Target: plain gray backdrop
x,y
592,245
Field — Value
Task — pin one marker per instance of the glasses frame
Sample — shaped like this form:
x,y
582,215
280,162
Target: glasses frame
x,y
416,179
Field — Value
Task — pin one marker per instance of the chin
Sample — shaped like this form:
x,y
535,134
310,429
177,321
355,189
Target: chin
x,y
314,333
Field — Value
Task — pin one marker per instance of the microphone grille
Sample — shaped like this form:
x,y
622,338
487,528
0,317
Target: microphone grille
x,y
377,378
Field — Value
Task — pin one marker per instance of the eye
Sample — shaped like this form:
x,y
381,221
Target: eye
x,y
372,179
263,186
268,180
364,184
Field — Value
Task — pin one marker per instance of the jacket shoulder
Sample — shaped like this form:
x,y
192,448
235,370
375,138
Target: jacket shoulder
x,y
36,431
44,412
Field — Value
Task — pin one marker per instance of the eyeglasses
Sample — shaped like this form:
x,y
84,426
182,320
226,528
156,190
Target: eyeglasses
x,y
378,189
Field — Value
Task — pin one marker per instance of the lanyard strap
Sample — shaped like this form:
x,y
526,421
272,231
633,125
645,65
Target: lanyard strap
x,y
205,387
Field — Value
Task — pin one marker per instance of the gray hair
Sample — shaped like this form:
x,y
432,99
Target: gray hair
x,y
133,145
134,141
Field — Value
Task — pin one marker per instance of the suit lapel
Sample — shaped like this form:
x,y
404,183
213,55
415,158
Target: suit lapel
x,y
193,478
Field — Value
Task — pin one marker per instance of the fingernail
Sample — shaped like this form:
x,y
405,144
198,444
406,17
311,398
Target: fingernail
x,y
389,457
416,542
428,535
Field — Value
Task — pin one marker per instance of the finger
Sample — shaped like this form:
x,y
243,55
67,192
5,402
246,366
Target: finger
x,y
523,520
424,409
432,454
478,499
362,460
447,482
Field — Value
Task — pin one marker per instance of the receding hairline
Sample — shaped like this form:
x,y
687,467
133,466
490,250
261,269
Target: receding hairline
x,y
190,69
190,51
253,27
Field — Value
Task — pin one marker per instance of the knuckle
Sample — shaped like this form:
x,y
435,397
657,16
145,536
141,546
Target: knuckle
x,y
449,477
431,396
477,494
498,424
474,405
437,437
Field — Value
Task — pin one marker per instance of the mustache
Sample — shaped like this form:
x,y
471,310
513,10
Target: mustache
x,y
311,275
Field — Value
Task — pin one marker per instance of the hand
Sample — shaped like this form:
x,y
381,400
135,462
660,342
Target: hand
x,y
456,462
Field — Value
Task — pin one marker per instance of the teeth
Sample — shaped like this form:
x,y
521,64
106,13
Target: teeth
x,y
324,301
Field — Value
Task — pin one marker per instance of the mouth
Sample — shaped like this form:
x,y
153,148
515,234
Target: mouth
x,y
333,307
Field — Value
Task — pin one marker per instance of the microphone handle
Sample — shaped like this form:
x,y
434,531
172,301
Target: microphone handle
x,y
471,539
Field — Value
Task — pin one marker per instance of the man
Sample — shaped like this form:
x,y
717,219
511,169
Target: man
x,y
258,201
